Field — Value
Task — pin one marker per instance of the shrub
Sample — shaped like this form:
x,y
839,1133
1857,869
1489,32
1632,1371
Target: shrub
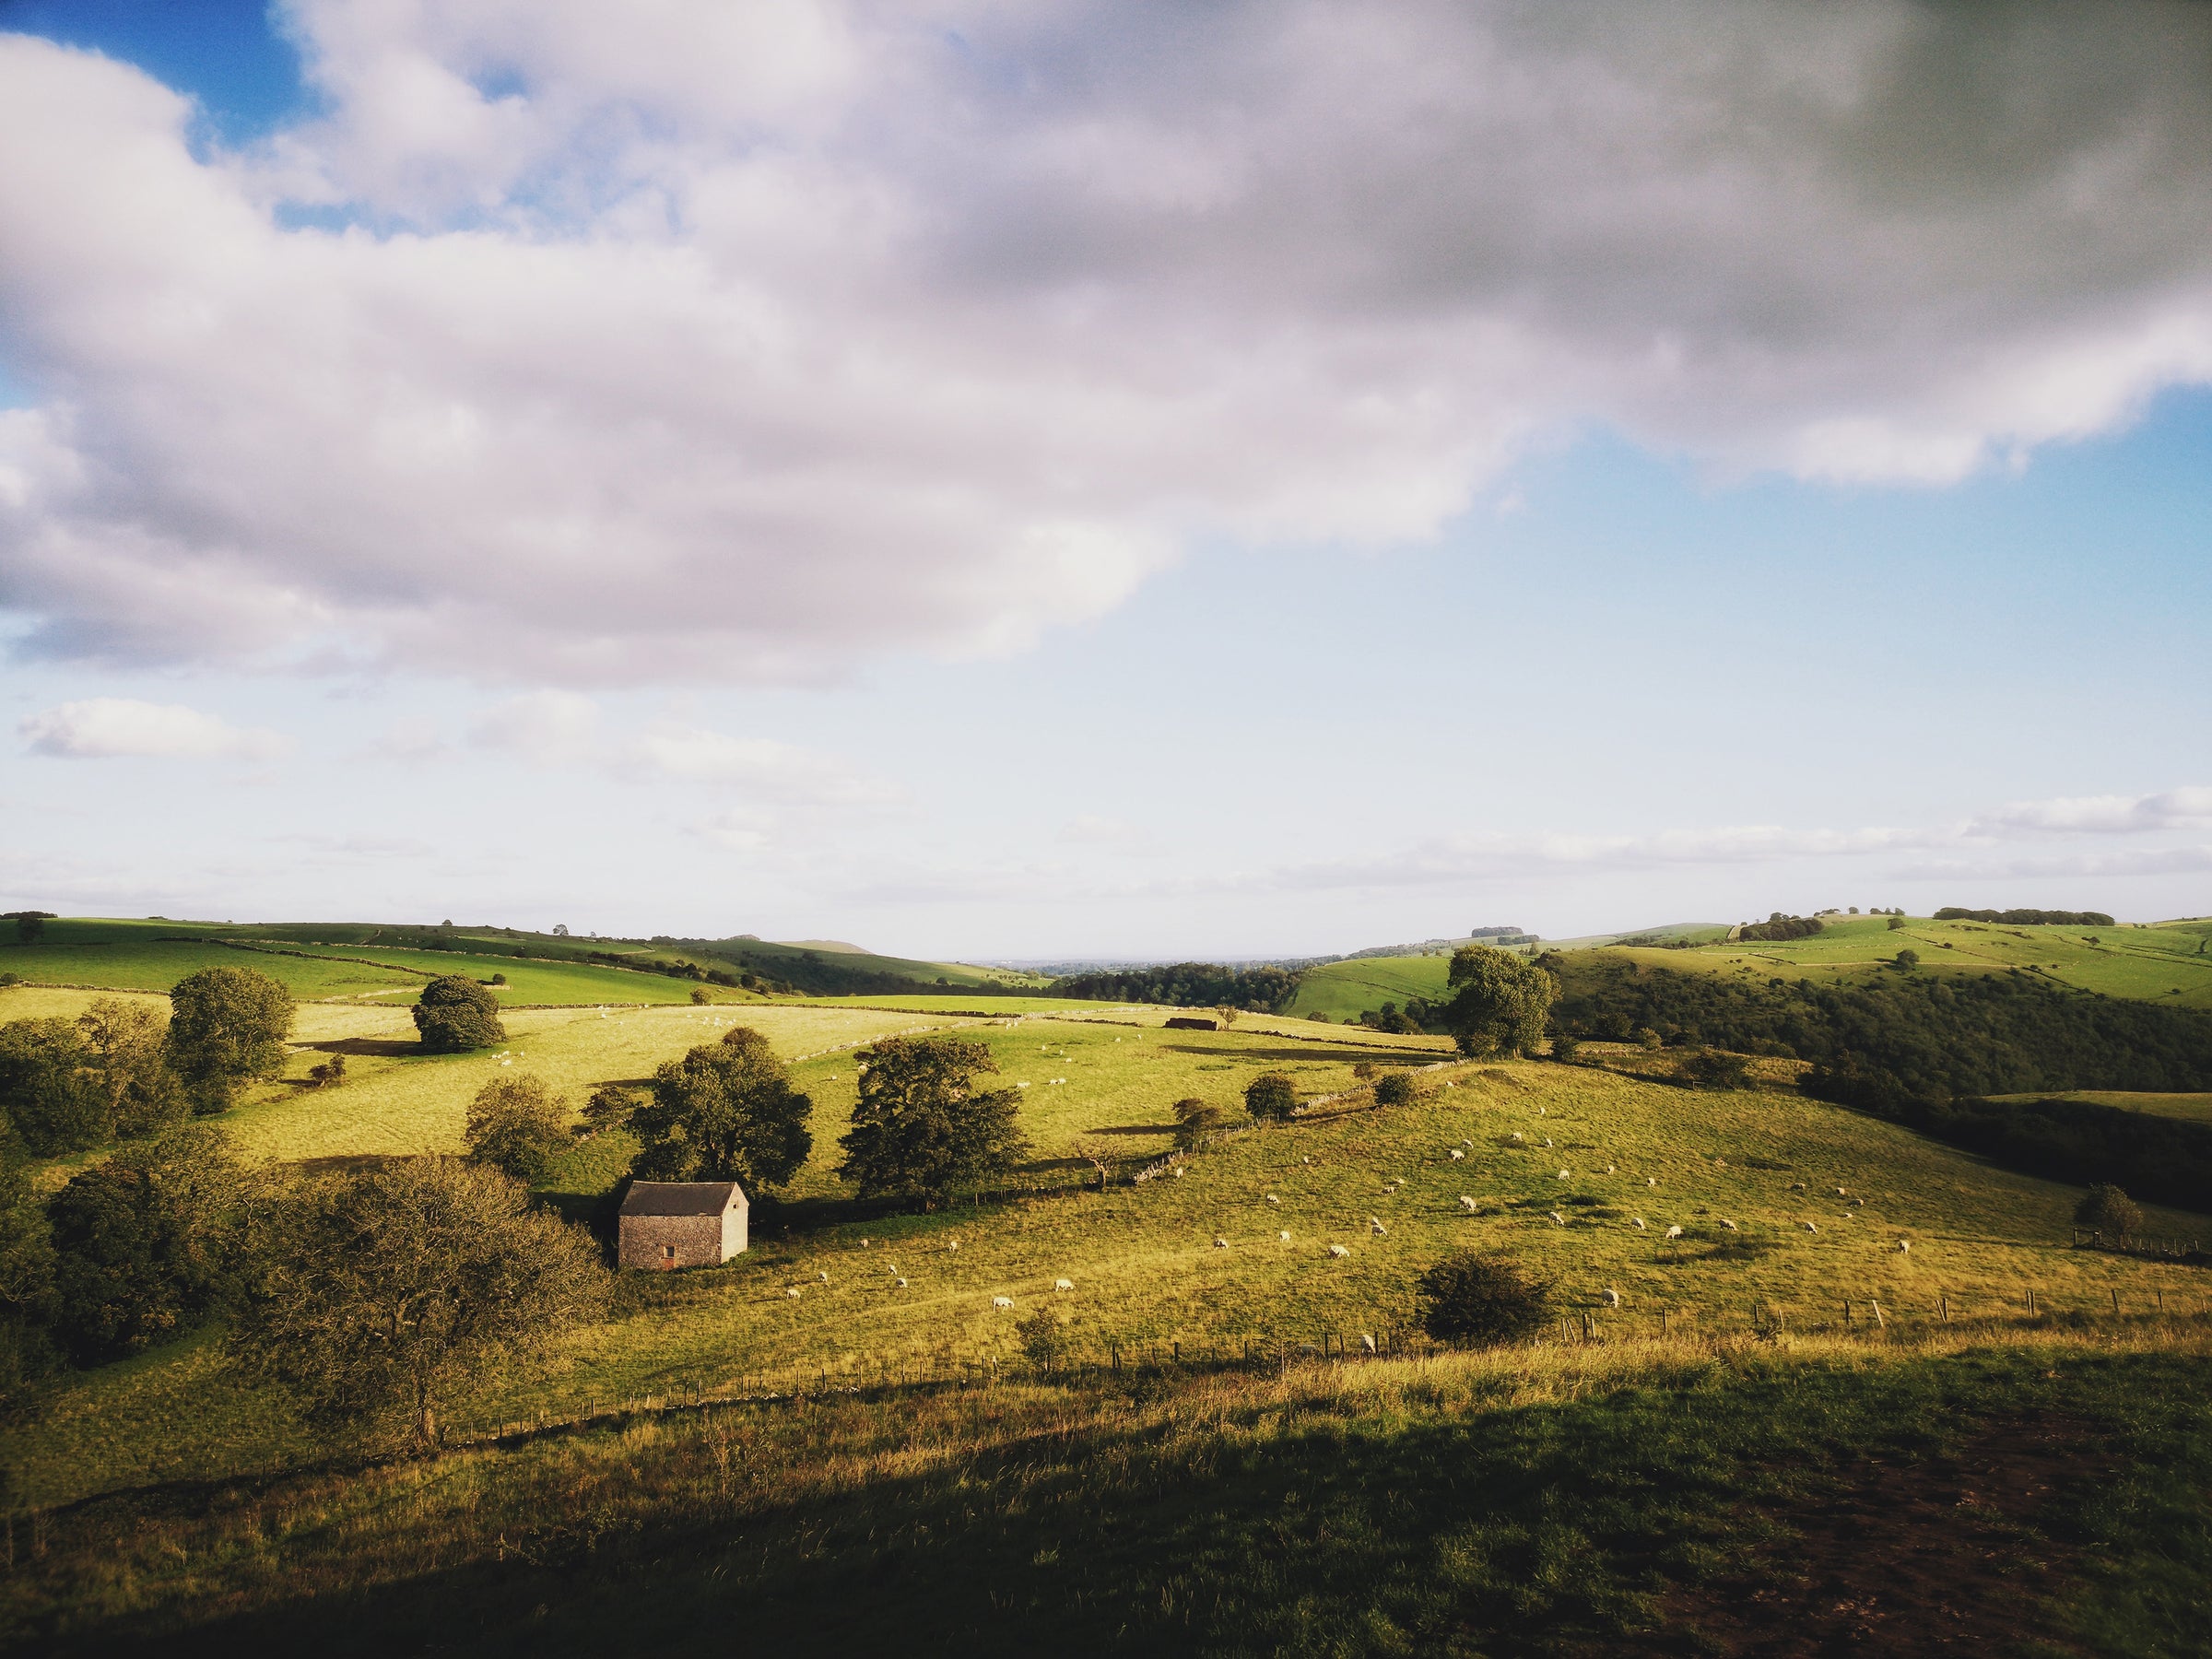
x,y
1565,1046
1396,1089
1271,1097
455,1014
1907,959
1195,1120
516,1126
1365,1071
1471,1300
1646,1036
1896,923
2109,1210
1045,1339
701,996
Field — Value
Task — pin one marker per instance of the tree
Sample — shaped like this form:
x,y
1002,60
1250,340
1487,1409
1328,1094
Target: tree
x,y
382,1295
701,996
455,1014
2110,1210
1566,1046
28,1302
1896,923
30,925
1396,1089
725,1111
1907,961
1474,1300
609,1107
1500,1002
1272,1098
1045,1340
922,1128
517,1125
143,1243
327,1074
1195,1122
47,1088
227,1027
128,1053
1716,1068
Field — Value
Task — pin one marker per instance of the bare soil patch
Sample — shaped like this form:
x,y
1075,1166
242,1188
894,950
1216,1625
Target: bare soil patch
x,y
1935,1556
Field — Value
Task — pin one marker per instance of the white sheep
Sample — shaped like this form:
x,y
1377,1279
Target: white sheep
x,y
1518,1135
952,1243
1063,1284
1610,1296
1466,1204
1810,1227
1284,1237
1609,1169
1467,1143
1457,1155
1903,1245
1561,1175
1674,1232
1375,1226
1273,1199
1637,1222
1557,1220
1220,1243
791,1290
1548,1140
1002,1301
1339,1252
1838,1192
1366,1343
1650,1181
901,1284
1730,1226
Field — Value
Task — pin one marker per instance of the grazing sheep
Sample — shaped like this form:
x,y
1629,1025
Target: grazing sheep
x,y
1557,1220
1650,1181
791,1290
1063,1284
1838,1192
1729,1225
1857,1204
1305,1161
1810,1227
1637,1222
823,1277
1220,1243
1375,1226
952,1243
1002,1301
1457,1155
1284,1237
901,1284
1467,1205
1273,1199
1674,1232
1610,1296
1560,1176
1609,1169
1467,1143
1366,1343
1178,1172
1796,1186
1548,1140
1339,1252
1518,1135
1903,1245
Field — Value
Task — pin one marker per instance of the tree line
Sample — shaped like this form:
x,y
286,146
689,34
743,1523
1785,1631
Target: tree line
x,y
2027,918
1262,989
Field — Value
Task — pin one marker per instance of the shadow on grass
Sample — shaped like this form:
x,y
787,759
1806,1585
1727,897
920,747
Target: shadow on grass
x,y
381,1048
1616,1522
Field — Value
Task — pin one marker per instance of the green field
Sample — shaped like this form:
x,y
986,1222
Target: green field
x,y
1142,1258
2191,1108
1346,990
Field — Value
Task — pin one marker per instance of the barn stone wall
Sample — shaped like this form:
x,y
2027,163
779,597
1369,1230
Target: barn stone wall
x,y
698,1241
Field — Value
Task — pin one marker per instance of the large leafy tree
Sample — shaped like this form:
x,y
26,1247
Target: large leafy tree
x,y
725,1111
517,1125
227,1027
922,1127
143,1243
455,1014
127,1052
28,1302
381,1296
52,1102
1498,1001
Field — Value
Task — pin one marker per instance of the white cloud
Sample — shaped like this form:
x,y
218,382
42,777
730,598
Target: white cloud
x,y
2100,814
555,728
102,728
689,342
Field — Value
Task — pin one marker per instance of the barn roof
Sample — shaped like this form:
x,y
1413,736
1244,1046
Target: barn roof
x,y
680,1198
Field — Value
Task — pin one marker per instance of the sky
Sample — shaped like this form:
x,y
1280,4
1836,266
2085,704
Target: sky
x,y
1071,480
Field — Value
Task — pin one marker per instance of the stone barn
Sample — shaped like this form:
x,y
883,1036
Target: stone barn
x,y
1191,1022
681,1224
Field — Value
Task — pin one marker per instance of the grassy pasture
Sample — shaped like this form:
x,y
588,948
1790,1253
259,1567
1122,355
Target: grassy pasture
x,y
2166,963
1691,1496
2192,1107
1142,1258
1346,990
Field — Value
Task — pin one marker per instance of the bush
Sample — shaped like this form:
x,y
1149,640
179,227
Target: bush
x,y
1907,961
1472,1300
1196,1120
2110,1210
516,1126
1044,1340
1365,1071
701,996
1565,1047
1396,1089
1896,923
454,1014
1271,1097
1644,1036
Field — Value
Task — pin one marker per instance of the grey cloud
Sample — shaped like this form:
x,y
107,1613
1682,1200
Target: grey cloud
x,y
732,343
